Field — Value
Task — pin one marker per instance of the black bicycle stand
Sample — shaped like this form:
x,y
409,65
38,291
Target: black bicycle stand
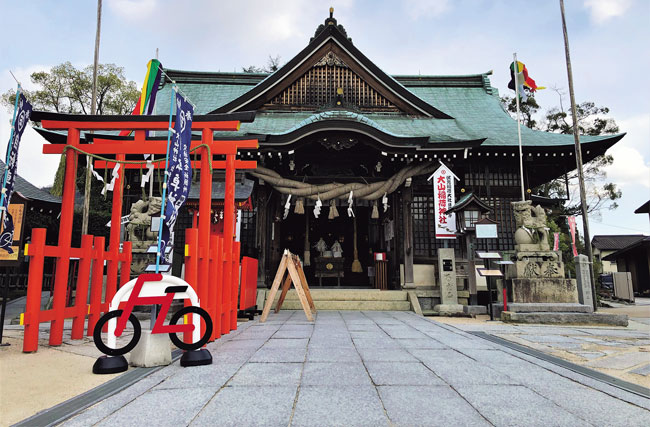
x,y
196,358
110,365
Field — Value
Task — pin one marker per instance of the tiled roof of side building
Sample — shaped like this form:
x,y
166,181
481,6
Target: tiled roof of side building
x,y
615,242
30,192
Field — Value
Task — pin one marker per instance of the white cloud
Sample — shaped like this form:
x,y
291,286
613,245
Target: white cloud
x,y
133,10
417,9
638,133
629,167
603,10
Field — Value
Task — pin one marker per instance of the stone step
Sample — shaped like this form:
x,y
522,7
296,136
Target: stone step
x,y
348,295
350,305
516,307
566,318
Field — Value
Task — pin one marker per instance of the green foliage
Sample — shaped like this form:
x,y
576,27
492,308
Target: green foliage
x,y
67,89
272,65
527,109
558,224
591,121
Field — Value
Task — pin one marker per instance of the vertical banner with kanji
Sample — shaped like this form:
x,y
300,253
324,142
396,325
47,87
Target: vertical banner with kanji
x,y
571,220
23,111
179,169
556,241
443,196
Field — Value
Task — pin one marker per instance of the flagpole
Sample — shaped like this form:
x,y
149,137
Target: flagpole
x,y
9,146
576,138
163,203
93,110
521,154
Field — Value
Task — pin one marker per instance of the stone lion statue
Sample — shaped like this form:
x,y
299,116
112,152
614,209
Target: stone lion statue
x,y
139,226
531,224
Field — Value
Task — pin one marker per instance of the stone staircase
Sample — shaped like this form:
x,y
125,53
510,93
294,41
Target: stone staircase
x,y
349,299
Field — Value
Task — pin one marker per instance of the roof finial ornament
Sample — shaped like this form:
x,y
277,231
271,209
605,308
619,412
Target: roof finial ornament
x,y
330,22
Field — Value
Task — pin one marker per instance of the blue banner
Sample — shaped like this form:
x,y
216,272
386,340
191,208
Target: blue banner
x,y
23,111
179,170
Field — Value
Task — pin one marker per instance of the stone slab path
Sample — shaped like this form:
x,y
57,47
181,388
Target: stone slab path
x,y
620,352
365,369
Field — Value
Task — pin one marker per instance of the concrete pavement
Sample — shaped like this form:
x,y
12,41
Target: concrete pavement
x,y
365,368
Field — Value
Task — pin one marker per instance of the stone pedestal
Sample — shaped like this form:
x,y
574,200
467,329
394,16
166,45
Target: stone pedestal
x,y
544,290
448,291
540,293
152,350
538,277
583,278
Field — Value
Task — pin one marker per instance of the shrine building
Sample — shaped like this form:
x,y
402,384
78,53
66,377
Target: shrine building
x,y
329,122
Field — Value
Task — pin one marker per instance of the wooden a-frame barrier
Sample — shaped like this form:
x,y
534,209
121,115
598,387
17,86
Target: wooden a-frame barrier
x,y
290,263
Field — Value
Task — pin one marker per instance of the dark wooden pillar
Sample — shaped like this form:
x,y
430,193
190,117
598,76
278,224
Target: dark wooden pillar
x,y
261,234
407,238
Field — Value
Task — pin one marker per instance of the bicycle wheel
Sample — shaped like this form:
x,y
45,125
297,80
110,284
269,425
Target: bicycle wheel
x,y
97,334
178,342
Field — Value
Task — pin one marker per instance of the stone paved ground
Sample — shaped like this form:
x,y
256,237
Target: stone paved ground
x,y
616,351
365,368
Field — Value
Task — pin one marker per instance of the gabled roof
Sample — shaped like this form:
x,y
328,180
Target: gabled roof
x,y
29,191
331,38
467,200
615,242
476,116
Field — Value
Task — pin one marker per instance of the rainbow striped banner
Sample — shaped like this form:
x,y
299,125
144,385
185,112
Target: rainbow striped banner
x,y
149,90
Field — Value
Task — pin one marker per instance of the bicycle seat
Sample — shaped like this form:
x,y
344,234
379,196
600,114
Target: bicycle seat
x,y
175,289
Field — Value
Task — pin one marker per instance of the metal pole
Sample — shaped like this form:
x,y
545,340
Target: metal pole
x,y
93,110
163,204
521,153
576,138
5,287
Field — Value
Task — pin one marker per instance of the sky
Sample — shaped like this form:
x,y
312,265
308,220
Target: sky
x,y
608,39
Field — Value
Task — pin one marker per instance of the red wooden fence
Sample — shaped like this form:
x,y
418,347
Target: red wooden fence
x,y
91,256
218,290
248,288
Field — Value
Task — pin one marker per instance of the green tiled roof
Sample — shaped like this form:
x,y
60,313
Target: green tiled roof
x,y
30,191
471,100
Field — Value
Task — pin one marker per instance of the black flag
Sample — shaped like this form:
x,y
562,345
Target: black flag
x,y
23,111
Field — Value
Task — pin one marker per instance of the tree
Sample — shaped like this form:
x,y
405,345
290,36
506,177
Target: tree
x,y
272,65
67,89
528,109
591,121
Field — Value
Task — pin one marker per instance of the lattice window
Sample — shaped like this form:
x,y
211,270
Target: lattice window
x,y
329,81
247,233
425,244
495,178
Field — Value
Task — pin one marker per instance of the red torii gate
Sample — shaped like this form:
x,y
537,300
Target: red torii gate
x,y
199,251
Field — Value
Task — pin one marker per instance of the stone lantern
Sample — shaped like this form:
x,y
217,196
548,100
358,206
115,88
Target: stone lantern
x,y
469,211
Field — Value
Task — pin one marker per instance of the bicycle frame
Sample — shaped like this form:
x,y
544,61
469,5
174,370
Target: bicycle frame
x,y
150,289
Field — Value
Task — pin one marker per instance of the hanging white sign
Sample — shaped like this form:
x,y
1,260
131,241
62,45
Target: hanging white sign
x,y
443,196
